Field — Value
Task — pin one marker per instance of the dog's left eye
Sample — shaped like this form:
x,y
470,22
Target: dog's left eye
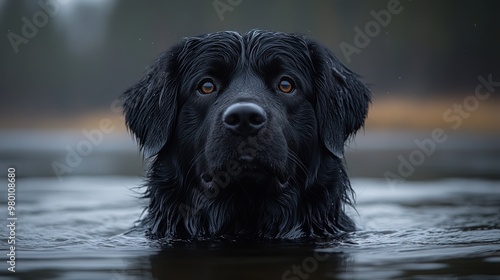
x,y
206,87
286,85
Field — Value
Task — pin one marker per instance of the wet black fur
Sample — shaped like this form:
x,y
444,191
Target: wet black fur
x,y
292,182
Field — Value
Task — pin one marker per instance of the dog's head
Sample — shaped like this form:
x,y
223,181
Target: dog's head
x,y
261,110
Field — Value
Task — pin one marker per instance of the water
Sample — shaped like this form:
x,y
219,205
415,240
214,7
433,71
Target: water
x,y
74,229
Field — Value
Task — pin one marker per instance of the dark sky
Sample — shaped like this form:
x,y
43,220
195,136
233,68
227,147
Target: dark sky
x,y
71,56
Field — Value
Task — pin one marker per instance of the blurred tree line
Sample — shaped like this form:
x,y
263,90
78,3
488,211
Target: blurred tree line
x,y
85,53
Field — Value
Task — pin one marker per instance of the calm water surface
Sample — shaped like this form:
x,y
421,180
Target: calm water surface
x,y
74,229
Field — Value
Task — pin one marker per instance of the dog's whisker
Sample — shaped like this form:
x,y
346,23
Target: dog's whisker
x,y
195,160
295,159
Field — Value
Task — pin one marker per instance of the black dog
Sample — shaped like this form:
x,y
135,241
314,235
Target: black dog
x,y
246,137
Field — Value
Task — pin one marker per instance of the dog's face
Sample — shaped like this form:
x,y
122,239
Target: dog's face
x,y
249,109
253,116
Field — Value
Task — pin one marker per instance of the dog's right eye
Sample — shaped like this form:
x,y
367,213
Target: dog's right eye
x,y
207,87
286,85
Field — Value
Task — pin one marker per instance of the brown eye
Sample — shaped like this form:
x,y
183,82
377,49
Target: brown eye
x,y
286,85
206,87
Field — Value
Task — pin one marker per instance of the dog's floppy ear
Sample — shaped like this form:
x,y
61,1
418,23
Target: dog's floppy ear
x,y
342,100
150,106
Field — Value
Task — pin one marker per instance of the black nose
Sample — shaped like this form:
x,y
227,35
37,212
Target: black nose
x,y
244,118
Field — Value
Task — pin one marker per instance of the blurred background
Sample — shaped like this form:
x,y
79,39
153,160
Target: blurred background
x,y
433,66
